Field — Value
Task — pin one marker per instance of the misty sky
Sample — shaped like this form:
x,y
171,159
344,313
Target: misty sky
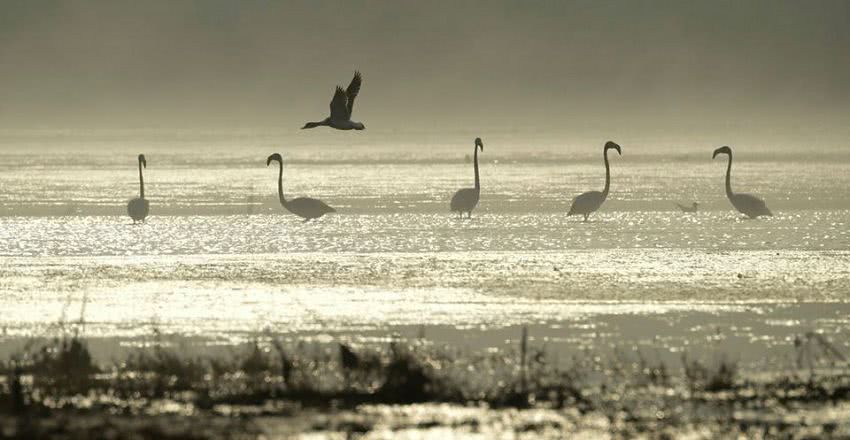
x,y
196,64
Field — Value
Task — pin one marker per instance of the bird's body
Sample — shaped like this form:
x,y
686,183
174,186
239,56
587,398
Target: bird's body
x,y
466,199
342,104
750,205
139,207
308,208
685,208
589,202
747,204
304,207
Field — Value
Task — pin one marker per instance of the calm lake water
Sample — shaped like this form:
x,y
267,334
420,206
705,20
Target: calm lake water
x,y
220,258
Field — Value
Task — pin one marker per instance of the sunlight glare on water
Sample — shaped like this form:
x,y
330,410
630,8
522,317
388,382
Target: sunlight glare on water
x,y
219,254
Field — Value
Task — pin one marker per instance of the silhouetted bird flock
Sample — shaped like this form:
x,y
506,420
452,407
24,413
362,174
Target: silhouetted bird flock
x,y
464,200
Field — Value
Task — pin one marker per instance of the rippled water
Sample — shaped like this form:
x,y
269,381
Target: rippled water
x,y
219,256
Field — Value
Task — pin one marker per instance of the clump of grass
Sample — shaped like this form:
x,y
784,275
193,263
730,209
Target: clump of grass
x,y
13,397
61,366
399,372
257,361
160,370
408,377
627,387
649,373
635,394
542,380
813,350
720,375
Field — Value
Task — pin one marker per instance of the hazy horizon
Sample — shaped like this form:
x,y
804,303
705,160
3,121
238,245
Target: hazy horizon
x,y
596,66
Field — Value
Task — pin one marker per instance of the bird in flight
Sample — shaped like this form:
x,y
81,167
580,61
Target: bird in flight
x,y
341,106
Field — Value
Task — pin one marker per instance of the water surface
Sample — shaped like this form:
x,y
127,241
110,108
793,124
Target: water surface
x,y
220,259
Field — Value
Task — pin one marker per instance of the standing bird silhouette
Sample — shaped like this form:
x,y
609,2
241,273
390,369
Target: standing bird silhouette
x,y
304,207
139,207
342,105
589,202
466,199
693,208
747,204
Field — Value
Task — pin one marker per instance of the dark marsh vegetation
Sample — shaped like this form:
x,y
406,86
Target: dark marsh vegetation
x,y
55,389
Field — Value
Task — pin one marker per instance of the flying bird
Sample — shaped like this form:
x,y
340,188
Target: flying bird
x,y
466,199
685,208
139,207
747,204
304,207
342,105
589,202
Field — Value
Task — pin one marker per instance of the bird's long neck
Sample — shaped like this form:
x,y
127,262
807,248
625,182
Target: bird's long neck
x,y
317,124
477,182
729,177
280,185
141,182
607,175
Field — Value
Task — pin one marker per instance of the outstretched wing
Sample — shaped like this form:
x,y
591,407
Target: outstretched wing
x,y
339,110
352,91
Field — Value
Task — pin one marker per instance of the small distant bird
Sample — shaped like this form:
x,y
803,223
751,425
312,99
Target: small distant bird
x,y
304,207
747,204
139,207
589,202
692,208
466,199
342,105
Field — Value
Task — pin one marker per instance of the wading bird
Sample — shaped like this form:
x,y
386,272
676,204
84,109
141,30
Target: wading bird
x,y
692,208
747,204
341,106
304,207
589,202
139,207
466,199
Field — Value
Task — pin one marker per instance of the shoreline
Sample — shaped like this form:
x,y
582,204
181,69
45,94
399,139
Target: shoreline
x,y
760,332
